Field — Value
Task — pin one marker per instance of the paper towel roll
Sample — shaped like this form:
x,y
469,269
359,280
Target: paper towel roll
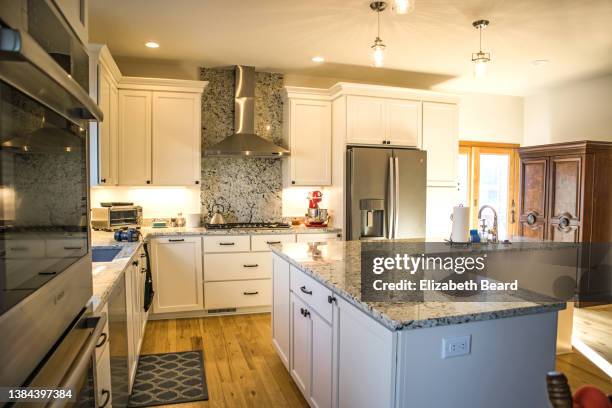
x,y
461,224
193,220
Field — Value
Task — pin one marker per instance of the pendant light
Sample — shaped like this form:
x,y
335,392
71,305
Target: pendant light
x,y
403,6
378,48
480,59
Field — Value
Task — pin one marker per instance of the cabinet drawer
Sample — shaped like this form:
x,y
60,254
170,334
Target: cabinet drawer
x,y
227,243
65,248
248,293
31,248
312,292
263,242
321,237
242,266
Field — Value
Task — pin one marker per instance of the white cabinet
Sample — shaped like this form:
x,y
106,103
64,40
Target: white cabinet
x,y
238,294
177,274
318,237
308,136
176,138
103,378
136,316
322,377
134,137
365,117
107,143
403,122
440,133
280,308
373,120
301,353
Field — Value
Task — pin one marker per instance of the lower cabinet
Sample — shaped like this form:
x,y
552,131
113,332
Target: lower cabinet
x,y
177,274
103,379
135,276
280,308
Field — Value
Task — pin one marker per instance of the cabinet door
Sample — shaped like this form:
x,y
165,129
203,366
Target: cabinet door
x,y
130,319
440,122
532,216
134,137
177,274
301,352
280,308
365,120
403,122
107,129
103,379
564,208
176,138
321,389
310,143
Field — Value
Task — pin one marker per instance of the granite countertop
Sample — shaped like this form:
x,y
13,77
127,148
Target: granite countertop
x,y
107,274
337,265
149,232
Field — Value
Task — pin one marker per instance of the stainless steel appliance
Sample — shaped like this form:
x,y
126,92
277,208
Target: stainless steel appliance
x,y
111,217
372,218
395,176
45,250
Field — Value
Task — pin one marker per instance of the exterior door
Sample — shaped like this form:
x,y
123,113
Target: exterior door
x,y
532,218
564,219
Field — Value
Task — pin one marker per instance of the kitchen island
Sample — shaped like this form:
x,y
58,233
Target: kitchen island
x,y
343,351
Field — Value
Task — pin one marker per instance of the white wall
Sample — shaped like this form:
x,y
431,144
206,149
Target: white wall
x,y
491,118
579,110
162,202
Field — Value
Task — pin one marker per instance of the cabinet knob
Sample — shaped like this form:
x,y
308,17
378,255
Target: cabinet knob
x,y
148,181
197,181
103,180
332,299
134,263
292,182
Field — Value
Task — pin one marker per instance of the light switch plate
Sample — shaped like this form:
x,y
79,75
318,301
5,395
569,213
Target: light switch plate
x,y
456,346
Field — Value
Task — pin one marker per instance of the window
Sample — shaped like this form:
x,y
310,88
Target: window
x,y
487,175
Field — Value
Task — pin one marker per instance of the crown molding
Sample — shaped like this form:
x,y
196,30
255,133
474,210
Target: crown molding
x,y
162,84
298,92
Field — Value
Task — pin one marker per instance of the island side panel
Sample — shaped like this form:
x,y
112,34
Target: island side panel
x,y
506,366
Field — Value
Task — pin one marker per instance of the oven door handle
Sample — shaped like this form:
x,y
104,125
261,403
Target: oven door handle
x,y
81,362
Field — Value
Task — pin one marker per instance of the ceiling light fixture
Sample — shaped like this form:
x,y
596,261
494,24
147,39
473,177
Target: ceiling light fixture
x,y
403,6
480,59
378,48
318,59
152,44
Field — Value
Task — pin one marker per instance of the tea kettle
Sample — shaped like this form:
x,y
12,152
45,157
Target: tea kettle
x,y
217,217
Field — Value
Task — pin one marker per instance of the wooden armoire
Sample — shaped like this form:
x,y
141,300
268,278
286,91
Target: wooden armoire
x,y
566,195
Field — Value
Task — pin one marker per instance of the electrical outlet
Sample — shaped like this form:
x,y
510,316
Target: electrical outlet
x,y
456,346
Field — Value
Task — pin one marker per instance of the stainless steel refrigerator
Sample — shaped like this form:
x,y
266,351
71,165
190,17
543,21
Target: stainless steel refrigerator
x,y
385,192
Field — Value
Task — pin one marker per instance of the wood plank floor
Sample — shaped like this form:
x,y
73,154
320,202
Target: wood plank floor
x,y
243,370
593,326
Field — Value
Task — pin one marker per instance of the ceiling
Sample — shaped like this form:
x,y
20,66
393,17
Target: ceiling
x,y
436,38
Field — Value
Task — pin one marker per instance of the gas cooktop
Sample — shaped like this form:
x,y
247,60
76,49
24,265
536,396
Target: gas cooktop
x,y
247,225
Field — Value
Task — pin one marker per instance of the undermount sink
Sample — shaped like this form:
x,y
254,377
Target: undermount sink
x,y
104,253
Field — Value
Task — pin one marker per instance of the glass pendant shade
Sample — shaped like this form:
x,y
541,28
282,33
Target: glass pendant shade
x,y
378,53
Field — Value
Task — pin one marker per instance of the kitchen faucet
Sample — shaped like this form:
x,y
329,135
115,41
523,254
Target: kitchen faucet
x,y
493,230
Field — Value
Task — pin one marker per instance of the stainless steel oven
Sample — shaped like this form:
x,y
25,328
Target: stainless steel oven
x,y
45,256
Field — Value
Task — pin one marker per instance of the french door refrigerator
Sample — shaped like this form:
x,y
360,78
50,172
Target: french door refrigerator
x,y
395,178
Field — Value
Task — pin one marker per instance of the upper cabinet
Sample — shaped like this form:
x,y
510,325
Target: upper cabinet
x,y
76,13
307,133
151,130
373,120
134,137
440,140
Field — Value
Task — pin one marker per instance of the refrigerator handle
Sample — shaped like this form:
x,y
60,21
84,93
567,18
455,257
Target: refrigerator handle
x,y
348,221
391,200
396,175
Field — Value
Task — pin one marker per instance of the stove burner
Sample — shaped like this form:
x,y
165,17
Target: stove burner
x,y
248,225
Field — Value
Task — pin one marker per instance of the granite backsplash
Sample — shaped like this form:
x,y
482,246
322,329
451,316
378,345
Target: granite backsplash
x,y
243,189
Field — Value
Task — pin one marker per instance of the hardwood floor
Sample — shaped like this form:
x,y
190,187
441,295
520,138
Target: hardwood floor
x,y
593,326
243,370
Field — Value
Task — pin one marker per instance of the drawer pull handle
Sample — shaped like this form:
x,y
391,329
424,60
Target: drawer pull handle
x,y
250,293
72,248
332,299
272,242
250,265
227,243
106,394
176,240
304,312
103,338
134,262
304,290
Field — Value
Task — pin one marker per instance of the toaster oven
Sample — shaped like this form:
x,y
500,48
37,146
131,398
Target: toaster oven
x,y
109,218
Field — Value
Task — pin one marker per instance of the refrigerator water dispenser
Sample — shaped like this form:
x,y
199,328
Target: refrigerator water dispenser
x,y
372,217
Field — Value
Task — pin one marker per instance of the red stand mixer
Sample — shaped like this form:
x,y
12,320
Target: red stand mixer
x,y
316,217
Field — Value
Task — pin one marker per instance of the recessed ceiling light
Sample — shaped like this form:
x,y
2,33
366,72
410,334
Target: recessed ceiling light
x,y
152,44
318,59
539,62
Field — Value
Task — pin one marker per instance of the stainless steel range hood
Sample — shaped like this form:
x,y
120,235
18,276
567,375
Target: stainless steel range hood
x,y
244,142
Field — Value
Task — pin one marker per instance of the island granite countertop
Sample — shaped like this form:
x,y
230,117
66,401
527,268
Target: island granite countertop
x,y
337,265
150,232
